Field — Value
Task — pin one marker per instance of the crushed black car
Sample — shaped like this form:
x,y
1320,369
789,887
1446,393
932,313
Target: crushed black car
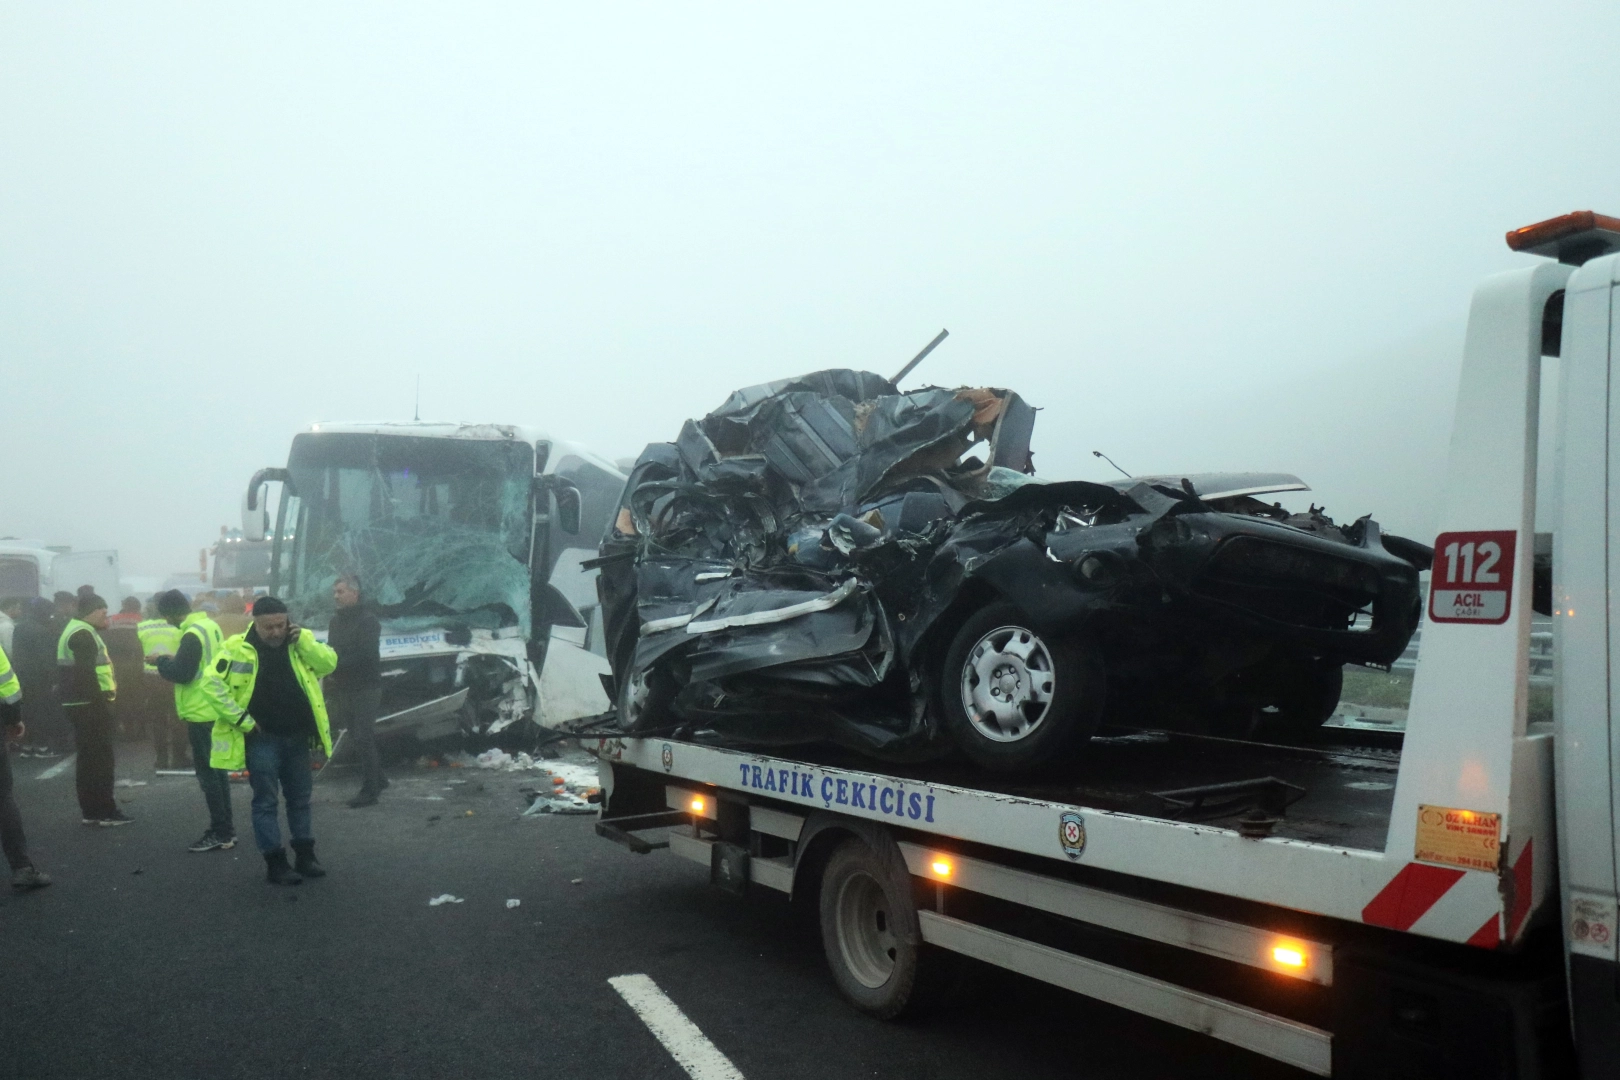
x,y
829,559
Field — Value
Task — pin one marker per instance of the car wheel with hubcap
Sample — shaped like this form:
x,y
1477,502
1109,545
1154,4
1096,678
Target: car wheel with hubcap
x,y
1017,699
644,698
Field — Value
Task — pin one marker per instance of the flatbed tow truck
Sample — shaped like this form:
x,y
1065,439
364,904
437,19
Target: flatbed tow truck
x,y
1439,903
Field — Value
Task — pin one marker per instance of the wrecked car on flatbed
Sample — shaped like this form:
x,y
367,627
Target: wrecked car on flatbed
x,y
829,559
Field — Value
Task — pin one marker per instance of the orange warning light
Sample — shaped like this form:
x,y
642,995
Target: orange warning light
x,y
1569,238
1288,956
697,806
942,867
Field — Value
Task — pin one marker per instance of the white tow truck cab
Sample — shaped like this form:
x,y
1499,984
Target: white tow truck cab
x,y
1442,904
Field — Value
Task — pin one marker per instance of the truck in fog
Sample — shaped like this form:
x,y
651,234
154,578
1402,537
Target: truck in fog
x,y
29,568
468,541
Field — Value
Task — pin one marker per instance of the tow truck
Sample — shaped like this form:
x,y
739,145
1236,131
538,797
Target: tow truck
x,y
1438,903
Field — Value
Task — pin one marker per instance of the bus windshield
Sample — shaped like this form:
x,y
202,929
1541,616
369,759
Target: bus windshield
x,y
437,529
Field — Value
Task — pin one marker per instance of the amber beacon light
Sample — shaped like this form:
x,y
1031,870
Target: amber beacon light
x,y
1572,238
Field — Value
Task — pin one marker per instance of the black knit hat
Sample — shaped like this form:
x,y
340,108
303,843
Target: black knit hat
x,y
172,603
88,602
269,605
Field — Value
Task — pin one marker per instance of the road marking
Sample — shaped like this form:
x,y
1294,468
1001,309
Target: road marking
x,y
685,1042
58,769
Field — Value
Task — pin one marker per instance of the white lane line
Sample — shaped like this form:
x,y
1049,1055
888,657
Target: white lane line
x,y
58,769
685,1042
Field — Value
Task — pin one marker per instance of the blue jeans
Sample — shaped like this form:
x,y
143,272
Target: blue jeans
x,y
278,768
215,783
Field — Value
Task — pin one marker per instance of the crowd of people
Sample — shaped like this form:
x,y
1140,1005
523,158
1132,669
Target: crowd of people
x,y
253,702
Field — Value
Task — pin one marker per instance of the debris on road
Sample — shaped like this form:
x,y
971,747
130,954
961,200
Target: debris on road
x,y
445,898
510,904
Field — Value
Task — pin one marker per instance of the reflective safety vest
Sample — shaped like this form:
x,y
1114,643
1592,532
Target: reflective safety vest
x,y
238,665
157,638
204,700
104,668
10,688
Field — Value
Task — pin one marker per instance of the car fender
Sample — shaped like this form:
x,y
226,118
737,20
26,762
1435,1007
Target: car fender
x,y
1043,590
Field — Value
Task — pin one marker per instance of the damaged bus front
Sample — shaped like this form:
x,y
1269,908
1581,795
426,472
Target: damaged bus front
x,y
467,540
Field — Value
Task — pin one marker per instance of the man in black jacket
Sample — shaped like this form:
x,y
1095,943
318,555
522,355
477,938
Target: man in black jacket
x,y
354,690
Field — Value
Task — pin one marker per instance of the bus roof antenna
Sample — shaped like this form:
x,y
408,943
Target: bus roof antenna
x,y
416,415
920,357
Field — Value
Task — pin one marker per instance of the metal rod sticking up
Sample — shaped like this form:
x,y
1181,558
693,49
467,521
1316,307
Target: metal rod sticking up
x,y
920,357
1105,457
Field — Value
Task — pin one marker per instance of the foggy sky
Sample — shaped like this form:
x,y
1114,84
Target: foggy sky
x,y
1198,236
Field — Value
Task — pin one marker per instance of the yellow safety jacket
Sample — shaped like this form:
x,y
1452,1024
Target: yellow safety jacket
x,y
157,638
238,665
104,668
10,688
205,699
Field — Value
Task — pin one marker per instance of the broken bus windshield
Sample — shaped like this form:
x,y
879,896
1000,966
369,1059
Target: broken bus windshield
x,y
438,529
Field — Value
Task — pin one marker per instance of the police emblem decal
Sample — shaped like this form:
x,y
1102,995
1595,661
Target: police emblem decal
x,y
668,757
1072,834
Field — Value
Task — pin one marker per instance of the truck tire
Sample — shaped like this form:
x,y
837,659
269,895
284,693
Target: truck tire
x,y
871,935
1017,700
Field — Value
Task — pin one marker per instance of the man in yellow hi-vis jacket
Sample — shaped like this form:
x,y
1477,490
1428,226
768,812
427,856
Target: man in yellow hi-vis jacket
x,y
87,686
273,672
24,875
201,701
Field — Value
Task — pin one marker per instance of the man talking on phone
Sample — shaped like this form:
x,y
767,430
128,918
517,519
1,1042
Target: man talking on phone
x,y
274,673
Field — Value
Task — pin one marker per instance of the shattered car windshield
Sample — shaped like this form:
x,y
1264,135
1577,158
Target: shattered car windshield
x,y
437,529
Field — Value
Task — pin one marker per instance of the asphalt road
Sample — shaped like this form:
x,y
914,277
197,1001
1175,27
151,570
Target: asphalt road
x,y
146,961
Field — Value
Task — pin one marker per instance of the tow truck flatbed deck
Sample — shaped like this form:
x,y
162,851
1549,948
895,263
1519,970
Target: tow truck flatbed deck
x,y
1339,791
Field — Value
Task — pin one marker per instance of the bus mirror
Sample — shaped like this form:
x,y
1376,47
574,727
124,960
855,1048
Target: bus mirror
x,y
568,509
255,506
567,499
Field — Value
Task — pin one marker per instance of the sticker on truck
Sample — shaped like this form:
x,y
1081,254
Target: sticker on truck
x,y
1472,581
1470,839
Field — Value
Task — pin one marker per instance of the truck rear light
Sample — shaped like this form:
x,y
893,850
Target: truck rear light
x,y
941,866
1571,238
1291,956
697,805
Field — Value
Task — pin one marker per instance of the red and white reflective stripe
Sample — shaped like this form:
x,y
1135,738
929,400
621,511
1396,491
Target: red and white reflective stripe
x,y
1419,889
1409,895
1489,935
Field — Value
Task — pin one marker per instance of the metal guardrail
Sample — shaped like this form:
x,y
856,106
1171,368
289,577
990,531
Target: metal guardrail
x,y
1541,654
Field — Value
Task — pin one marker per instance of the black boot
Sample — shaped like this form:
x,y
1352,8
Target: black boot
x,y
306,863
277,872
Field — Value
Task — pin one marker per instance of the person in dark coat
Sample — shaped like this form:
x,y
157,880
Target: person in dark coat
x,y
354,690
34,655
124,647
